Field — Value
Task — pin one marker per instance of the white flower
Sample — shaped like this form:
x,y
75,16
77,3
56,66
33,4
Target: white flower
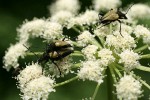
x,y
12,55
64,66
139,11
91,70
120,42
141,31
106,4
29,73
125,28
90,51
102,32
84,38
69,5
87,18
32,28
130,59
106,57
62,17
38,89
90,17
128,88
52,30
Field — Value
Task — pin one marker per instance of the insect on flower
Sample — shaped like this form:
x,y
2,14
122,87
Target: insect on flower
x,y
55,51
111,16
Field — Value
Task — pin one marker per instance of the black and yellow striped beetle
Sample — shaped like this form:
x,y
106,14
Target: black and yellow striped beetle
x,y
111,16
55,51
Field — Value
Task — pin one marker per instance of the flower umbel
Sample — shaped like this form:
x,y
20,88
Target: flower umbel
x,y
82,45
128,88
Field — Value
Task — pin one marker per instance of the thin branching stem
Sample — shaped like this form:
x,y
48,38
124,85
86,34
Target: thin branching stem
x,y
143,68
145,56
96,91
141,48
67,81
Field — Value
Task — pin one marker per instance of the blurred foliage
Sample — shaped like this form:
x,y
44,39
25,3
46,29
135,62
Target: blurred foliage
x,y
12,14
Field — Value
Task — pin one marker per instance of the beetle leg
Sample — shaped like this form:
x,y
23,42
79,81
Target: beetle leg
x,y
56,66
120,28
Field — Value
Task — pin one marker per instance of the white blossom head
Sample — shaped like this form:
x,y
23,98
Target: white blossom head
x,y
129,59
62,17
92,71
143,32
52,31
102,32
38,89
29,73
32,28
84,38
128,88
105,4
87,18
64,65
90,52
139,11
69,5
120,42
12,55
106,57
125,28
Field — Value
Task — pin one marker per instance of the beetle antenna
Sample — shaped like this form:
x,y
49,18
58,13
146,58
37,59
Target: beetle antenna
x,y
129,9
31,51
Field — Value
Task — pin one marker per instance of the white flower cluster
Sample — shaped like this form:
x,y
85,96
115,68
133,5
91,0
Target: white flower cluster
x,y
68,5
101,32
39,28
105,4
130,59
139,11
128,88
84,38
90,52
12,55
64,66
142,32
120,42
33,84
62,17
106,57
91,70
52,30
32,28
87,18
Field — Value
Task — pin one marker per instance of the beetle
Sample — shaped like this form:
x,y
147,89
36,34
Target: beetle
x,y
111,16
55,51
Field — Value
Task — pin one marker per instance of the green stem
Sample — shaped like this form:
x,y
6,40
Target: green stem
x,y
96,91
76,29
143,68
110,87
95,42
110,28
31,54
145,84
112,73
65,82
145,56
117,71
77,65
141,48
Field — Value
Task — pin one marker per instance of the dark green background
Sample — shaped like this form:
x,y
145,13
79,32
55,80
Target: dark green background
x,y
12,14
